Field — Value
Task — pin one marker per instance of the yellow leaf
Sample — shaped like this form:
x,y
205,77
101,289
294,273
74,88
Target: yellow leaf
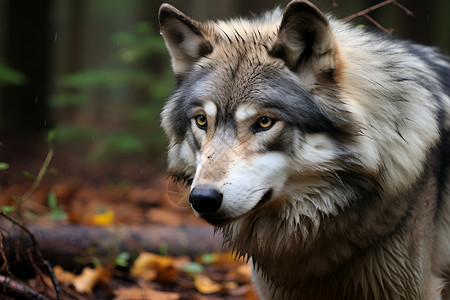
x,y
149,265
86,281
206,285
103,219
230,285
63,275
143,293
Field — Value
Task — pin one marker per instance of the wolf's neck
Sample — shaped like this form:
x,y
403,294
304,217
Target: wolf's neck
x,y
295,246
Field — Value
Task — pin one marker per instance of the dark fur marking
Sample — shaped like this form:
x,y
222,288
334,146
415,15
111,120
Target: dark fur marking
x,y
228,38
327,77
264,199
177,37
295,104
240,36
306,54
283,143
184,103
204,49
278,51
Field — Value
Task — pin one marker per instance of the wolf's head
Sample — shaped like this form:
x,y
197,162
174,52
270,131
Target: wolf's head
x,y
248,115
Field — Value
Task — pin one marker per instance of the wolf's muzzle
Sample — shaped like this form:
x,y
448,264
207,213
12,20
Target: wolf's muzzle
x,y
205,199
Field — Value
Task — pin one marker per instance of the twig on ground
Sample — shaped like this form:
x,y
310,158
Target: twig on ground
x,y
19,290
35,249
39,176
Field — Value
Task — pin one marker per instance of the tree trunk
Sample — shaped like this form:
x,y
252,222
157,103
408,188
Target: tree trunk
x,y
23,108
62,245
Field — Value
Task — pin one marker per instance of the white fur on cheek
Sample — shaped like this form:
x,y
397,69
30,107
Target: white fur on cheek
x,y
318,151
249,180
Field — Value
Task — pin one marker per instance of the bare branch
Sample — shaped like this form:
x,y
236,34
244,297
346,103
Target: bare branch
x,y
388,31
406,10
368,10
19,290
37,252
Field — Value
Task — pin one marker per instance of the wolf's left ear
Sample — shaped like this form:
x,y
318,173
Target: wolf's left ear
x,y
184,38
304,38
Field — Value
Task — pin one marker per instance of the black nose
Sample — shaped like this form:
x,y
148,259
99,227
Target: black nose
x,y
205,199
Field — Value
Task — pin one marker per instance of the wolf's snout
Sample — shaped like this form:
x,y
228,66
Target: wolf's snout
x,y
205,199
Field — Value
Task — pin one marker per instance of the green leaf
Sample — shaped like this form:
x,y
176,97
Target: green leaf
x,y
96,261
8,208
57,214
50,136
208,258
4,166
122,259
164,249
29,174
192,268
52,171
52,200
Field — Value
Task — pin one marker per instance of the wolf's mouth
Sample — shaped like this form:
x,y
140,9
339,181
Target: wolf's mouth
x,y
220,220
217,221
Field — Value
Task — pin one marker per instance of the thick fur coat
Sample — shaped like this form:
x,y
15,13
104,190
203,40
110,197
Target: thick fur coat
x,y
321,151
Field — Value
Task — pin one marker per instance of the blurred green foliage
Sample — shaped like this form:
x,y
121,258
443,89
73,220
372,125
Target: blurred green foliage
x,y
123,102
10,76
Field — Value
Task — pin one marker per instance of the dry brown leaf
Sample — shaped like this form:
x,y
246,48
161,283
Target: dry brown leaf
x,y
144,293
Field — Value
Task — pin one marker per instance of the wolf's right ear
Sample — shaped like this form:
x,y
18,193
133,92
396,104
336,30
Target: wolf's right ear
x,y
184,38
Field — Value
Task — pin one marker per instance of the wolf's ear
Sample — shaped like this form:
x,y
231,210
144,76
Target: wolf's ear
x,y
304,38
184,38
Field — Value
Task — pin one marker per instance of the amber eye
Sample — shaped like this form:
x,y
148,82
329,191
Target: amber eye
x,y
201,121
263,123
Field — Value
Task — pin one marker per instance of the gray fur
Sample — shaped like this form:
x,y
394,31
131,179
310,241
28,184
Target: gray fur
x,y
347,194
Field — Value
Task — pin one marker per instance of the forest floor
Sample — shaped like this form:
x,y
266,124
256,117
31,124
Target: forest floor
x,y
118,230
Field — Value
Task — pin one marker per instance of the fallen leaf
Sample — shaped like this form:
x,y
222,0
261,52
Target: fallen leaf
x,y
63,275
243,272
192,268
230,285
217,259
86,281
105,218
206,285
144,293
148,265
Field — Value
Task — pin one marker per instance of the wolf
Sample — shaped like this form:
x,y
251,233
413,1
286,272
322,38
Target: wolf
x,y
319,150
